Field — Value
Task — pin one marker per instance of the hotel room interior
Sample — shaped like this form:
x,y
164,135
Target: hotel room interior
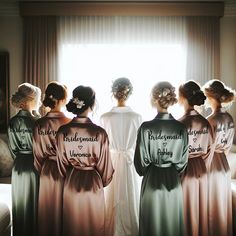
x,y
95,42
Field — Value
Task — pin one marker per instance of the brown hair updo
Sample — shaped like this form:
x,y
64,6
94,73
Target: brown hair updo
x,y
54,92
83,98
122,88
193,93
163,93
217,90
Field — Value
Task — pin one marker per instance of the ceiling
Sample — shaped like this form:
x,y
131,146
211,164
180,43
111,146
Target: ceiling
x,y
228,1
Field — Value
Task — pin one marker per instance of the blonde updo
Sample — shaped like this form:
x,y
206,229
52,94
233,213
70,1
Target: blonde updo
x,y
217,90
163,93
25,92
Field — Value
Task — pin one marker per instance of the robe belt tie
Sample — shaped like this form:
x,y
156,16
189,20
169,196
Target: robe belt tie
x,y
52,158
25,152
219,151
84,167
128,154
164,165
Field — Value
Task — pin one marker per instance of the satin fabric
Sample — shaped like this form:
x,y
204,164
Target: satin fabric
x,y
84,160
122,195
161,154
194,178
24,176
220,195
51,182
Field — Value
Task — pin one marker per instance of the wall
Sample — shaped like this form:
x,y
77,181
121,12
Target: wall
x,y
11,40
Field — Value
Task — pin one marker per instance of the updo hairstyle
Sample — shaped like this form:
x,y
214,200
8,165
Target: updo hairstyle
x,y
54,92
193,93
83,98
122,88
217,90
164,94
26,92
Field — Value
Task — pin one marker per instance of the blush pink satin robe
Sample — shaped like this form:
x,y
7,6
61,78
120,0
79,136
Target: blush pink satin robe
x,y
194,179
220,195
84,160
51,182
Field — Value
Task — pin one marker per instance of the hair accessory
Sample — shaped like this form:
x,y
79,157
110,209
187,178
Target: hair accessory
x,y
52,98
79,103
196,91
165,91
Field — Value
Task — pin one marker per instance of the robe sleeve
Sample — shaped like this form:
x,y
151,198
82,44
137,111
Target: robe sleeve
x,y
37,150
104,164
141,158
12,142
180,166
210,148
62,160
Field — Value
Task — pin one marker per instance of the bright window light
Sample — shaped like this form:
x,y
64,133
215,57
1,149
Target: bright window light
x,y
97,65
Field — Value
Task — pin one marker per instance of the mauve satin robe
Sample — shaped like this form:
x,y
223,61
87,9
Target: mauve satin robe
x,y
25,178
51,182
194,178
220,195
84,160
161,154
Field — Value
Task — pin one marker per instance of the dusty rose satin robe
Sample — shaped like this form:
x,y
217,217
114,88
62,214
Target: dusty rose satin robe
x,y
194,179
84,159
51,182
220,196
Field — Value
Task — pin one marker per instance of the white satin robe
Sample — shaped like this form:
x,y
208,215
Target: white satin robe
x,y
122,195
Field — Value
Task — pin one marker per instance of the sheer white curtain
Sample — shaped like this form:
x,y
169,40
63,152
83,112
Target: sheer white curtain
x,y
121,29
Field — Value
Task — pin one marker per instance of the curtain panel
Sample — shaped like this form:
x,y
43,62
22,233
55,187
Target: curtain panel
x,y
40,51
203,48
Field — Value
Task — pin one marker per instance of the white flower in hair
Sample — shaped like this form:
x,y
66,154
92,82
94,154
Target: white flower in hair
x,y
79,103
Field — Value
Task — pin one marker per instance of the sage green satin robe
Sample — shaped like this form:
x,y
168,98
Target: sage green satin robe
x,y
161,154
24,176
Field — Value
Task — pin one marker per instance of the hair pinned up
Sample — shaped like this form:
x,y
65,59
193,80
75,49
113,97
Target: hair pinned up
x,y
193,93
25,92
122,88
164,94
217,90
54,92
83,98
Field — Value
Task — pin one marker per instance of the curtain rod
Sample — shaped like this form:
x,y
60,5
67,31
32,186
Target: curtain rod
x,y
122,8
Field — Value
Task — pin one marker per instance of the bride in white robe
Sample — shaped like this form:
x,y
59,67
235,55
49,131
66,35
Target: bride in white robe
x,y
122,195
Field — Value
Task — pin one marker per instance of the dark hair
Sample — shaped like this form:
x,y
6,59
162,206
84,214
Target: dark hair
x,y
83,98
163,93
122,88
193,93
54,92
217,90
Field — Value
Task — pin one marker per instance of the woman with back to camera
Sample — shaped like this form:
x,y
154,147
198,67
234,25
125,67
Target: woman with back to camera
x,y
194,179
44,148
161,154
220,196
84,160
24,176
122,195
